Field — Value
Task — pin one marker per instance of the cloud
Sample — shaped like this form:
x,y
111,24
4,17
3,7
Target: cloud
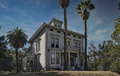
x,y
3,5
101,34
94,17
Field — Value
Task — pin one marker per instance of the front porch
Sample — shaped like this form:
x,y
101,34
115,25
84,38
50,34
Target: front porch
x,y
74,60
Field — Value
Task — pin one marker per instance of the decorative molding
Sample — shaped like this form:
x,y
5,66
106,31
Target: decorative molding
x,y
54,35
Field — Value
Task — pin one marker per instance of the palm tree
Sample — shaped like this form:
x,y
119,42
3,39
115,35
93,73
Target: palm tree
x,y
64,4
84,9
17,39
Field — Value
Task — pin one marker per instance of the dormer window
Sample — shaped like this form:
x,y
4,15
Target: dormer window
x,y
56,25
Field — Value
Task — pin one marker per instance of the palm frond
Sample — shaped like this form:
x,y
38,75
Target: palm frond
x,y
17,38
78,7
81,2
91,6
79,12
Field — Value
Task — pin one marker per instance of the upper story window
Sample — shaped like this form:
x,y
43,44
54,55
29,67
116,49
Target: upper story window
x,y
77,45
55,42
59,25
38,45
55,24
68,44
51,29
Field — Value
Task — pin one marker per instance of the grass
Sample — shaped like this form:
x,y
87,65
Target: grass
x,y
62,73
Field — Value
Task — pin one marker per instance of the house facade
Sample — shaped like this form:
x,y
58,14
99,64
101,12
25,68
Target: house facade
x,y
47,48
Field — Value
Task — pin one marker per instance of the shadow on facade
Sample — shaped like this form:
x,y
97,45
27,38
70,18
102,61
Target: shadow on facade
x,y
33,63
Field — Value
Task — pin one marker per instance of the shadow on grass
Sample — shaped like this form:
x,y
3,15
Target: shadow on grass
x,y
35,74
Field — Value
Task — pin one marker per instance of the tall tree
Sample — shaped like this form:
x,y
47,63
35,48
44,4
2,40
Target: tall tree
x,y
64,4
17,39
84,9
116,34
3,47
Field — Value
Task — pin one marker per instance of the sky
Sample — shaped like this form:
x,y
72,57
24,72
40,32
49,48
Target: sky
x,y
29,15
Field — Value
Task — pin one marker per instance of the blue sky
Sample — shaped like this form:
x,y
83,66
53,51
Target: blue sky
x,y
29,14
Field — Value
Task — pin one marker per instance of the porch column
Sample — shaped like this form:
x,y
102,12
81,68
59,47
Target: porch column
x,y
69,58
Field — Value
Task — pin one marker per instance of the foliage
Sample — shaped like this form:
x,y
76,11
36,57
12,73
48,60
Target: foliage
x,y
3,46
17,39
83,9
107,57
116,34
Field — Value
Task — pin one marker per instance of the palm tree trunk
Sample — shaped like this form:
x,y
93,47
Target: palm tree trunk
x,y
85,22
17,59
65,39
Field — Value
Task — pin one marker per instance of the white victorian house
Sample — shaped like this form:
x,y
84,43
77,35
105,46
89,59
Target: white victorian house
x,y
47,48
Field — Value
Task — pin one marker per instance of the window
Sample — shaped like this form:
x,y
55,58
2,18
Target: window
x,y
55,24
38,45
68,43
58,31
27,62
58,25
57,58
77,45
74,36
69,34
52,42
55,43
52,58
51,29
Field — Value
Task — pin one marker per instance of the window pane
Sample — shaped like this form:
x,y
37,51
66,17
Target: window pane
x,y
52,58
68,43
57,43
75,44
78,46
52,42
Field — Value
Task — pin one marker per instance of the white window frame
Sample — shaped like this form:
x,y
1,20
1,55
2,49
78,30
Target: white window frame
x,y
55,42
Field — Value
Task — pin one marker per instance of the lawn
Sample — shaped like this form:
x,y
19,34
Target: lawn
x,y
62,73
